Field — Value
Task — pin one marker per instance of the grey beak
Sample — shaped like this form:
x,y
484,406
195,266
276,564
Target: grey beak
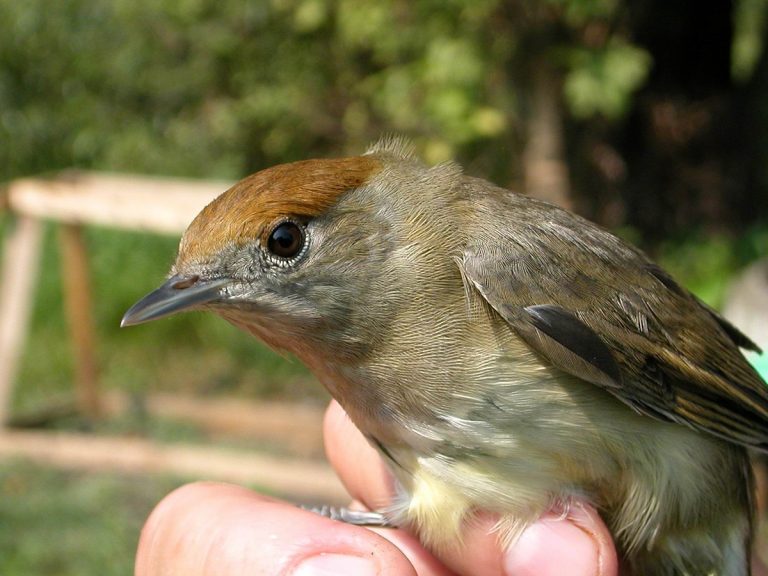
x,y
177,294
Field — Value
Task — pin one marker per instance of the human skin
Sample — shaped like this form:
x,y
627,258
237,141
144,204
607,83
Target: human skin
x,y
212,529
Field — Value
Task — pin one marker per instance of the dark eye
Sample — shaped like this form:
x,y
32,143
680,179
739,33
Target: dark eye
x,y
286,240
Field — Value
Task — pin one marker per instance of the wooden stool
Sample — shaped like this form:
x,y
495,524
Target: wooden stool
x,y
74,199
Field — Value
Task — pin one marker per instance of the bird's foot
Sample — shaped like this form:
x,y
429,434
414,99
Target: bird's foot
x,y
349,516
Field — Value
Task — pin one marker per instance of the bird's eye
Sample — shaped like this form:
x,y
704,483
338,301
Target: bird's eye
x,y
286,240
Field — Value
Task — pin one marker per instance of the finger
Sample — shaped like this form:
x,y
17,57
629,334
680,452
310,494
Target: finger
x,y
580,541
359,466
208,529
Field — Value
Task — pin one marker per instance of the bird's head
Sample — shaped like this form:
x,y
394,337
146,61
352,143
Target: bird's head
x,y
296,254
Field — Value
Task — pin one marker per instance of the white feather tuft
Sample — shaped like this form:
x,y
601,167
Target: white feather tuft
x,y
398,146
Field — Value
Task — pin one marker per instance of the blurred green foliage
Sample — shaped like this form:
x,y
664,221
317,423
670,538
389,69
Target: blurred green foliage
x,y
219,88
602,81
707,264
206,88
749,20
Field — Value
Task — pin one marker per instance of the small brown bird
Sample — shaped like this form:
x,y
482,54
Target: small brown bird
x,y
501,353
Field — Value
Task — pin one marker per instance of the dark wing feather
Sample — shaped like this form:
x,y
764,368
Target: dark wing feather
x,y
600,310
561,336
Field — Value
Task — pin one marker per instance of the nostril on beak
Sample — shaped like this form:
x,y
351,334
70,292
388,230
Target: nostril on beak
x,y
185,283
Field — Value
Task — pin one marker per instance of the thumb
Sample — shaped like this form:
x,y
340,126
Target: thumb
x,y
577,544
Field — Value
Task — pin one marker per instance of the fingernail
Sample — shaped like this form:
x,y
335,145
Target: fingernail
x,y
552,547
336,564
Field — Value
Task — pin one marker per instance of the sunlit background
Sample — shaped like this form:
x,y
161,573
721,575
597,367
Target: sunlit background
x,y
650,117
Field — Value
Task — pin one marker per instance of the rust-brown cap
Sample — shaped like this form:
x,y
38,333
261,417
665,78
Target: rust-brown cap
x,y
248,210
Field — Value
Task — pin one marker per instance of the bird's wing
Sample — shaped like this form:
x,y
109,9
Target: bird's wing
x,y
600,310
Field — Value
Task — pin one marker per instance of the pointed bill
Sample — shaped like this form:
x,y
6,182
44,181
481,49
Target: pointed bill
x,y
177,294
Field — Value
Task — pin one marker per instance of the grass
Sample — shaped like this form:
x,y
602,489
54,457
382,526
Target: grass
x,y
61,523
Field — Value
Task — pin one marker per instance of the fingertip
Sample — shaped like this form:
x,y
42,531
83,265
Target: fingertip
x,y
580,544
208,529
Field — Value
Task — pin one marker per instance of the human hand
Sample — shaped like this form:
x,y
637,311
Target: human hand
x,y
208,529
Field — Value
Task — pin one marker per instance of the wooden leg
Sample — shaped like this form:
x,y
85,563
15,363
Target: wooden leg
x,y
21,261
77,301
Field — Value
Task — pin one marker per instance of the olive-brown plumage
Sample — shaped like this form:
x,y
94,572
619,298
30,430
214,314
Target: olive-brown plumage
x,y
501,353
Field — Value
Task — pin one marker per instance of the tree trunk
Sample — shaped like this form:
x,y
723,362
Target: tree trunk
x,y
544,165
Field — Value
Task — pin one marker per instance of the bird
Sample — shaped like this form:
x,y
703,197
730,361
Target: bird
x,y
500,353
